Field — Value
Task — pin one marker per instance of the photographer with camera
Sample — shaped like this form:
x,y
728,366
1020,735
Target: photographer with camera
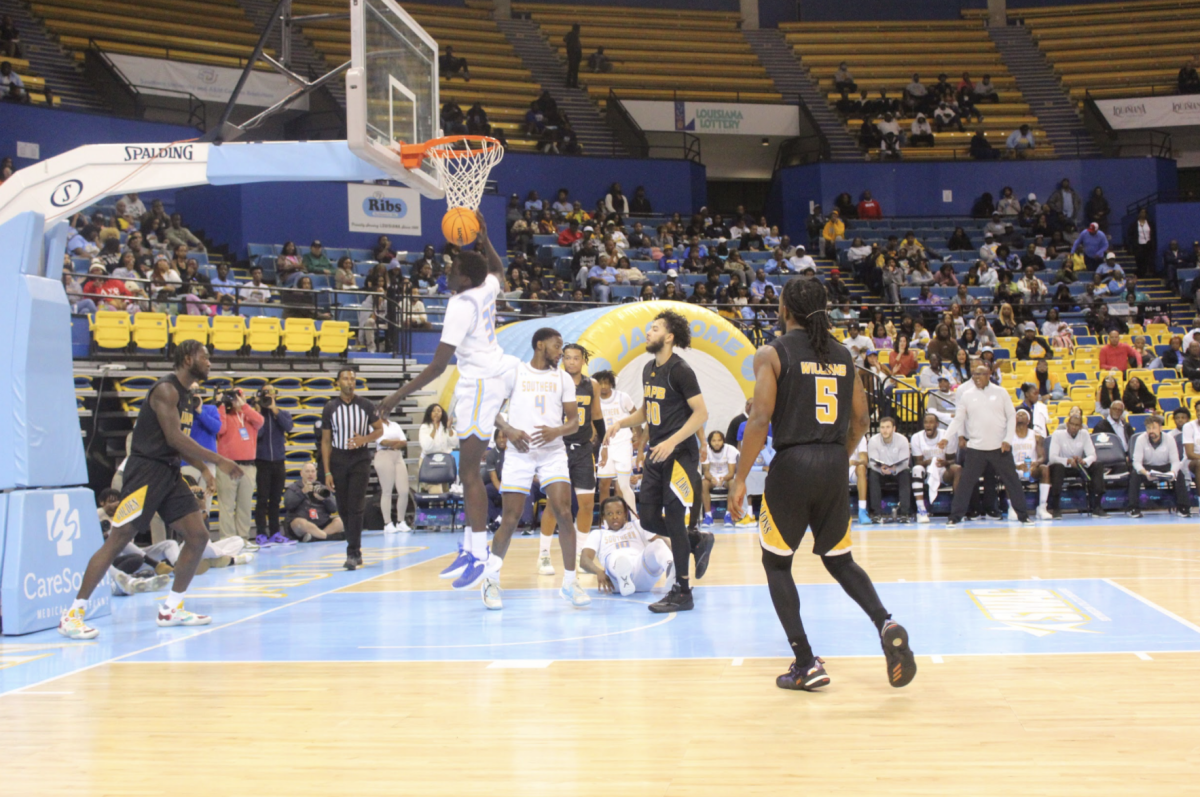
x,y
238,441
269,462
309,507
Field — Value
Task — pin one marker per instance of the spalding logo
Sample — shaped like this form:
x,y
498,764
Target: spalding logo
x,y
65,193
379,206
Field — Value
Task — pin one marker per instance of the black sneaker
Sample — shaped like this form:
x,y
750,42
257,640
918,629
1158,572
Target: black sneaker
x,y
702,551
1184,511
353,561
1099,513
995,516
901,666
677,600
1134,513
951,523
1056,514
804,678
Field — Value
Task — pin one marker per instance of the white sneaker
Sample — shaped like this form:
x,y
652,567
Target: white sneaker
x,y
402,528
490,590
622,575
123,583
245,558
576,595
71,626
1012,514
390,528
1044,514
154,583
180,616
545,566
922,517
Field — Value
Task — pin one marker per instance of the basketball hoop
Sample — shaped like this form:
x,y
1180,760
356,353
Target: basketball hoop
x,y
463,164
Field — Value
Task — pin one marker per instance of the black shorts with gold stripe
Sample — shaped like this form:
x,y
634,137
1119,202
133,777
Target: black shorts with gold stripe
x,y
807,486
150,488
675,479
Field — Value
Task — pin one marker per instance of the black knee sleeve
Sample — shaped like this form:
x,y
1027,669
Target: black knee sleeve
x,y
838,564
773,561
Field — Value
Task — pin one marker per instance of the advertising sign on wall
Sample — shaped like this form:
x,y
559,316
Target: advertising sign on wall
x,y
725,118
1146,112
384,209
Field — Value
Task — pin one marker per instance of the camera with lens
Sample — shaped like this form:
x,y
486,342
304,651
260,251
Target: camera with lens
x,y
228,397
320,491
262,400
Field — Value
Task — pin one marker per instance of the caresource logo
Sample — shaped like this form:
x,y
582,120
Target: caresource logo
x,y
62,524
65,193
379,206
1132,109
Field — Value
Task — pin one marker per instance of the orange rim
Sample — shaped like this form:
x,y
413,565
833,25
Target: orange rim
x,y
411,155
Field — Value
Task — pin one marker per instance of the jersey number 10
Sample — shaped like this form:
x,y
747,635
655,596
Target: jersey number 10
x,y
827,399
653,413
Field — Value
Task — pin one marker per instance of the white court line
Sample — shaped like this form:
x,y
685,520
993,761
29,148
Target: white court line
x,y
666,619
209,630
937,659
1143,656
46,693
737,662
1087,607
1034,578
1153,605
900,581
520,664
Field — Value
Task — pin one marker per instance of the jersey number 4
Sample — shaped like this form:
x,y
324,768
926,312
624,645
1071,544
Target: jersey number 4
x,y
827,399
653,413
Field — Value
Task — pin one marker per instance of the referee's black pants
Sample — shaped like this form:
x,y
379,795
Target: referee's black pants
x,y
1004,467
351,470
269,490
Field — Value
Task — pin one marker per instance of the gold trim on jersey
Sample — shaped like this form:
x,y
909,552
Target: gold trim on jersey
x,y
681,485
843,545
768,533
130,508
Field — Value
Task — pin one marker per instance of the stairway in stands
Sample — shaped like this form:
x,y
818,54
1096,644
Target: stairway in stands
x,y
1045,94
551,74
306,61
49,61
794,83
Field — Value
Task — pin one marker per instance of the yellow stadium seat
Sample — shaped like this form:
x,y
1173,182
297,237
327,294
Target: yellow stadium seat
x,y
151,330
1063,408
111,330
299,335
1082,393
333,337
228,332
189,327
264,336
1158,329
1144,374
1170,390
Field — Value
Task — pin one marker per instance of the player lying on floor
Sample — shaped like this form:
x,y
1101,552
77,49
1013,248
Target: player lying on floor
x,y
624,557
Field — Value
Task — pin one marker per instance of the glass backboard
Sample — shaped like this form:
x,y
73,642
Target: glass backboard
x,y
392,90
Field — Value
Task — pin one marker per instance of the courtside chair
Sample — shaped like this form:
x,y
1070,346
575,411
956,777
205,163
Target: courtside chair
x,y
299,335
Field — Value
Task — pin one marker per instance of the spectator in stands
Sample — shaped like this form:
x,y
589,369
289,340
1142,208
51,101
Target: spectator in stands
x,y
344,278
1115,421
921,133
255,291
1094,245
845,207
615,201
12,88
814,225
640,204
945,277
833,231
837,290
84,243
192,280
1031,287
889,147
178,235
945,117
1008,206
856,342
315,260
880,338
1141,237
1031,259
165,269
223,284
450,65
1021,142
994,228
985,91
843,80
1033,346
893,281
1115,355
751,240
1096,210
868,207
942,345
10,38
986,275
1138,398
915,94
1188,81
599,62
600,279
574,55
799,262
1189,367
959,241
1066,202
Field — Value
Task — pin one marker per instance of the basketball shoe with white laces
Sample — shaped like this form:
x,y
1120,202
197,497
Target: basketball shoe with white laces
x,y
180,616
545,566
72,626
490,590
575,594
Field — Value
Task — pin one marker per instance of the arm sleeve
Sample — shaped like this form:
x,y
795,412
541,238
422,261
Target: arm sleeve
x,y
425,438
458,318
955,430
684,379
568,387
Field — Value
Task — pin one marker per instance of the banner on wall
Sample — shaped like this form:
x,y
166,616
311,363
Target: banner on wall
x,y
1143,112
724,118
384,209
209,83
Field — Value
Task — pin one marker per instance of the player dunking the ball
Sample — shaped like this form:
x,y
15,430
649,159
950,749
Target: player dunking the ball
x,y
154,485
484,374
807,391
674,410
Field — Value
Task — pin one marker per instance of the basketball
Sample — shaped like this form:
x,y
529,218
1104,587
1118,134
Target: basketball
x,y
460,226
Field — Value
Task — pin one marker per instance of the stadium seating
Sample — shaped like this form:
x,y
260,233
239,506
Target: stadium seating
x,y
660,54
34,85
151,331
885,55
228,333
190,327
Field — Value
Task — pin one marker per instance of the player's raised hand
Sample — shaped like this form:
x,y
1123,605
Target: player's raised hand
x,y
518,439
737,498
482,236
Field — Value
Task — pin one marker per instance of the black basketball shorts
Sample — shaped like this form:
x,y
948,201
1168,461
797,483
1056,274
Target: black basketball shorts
x,y
150,488
806,487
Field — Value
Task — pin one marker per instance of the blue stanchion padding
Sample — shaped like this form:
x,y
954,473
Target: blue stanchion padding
x,y
276,161
50,535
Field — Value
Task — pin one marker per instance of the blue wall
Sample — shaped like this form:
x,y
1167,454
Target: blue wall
x,y
59,131
1178,220
276,212
915,189
671,184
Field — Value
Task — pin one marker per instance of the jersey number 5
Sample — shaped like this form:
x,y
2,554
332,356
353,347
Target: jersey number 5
x,y
827,400
653,414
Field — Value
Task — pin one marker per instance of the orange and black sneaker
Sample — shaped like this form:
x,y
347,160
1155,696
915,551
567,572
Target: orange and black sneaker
x,y
804,677
901,665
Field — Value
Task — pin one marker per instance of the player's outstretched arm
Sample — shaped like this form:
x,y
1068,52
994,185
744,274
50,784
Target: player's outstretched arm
x,y
165,403
483,245
588,564
441,358
754,437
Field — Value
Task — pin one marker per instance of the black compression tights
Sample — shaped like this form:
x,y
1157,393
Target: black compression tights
x,y
670,522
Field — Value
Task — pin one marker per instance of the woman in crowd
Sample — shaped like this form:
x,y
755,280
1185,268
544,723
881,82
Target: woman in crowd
x,y
961,367
301,301
880,338
412,309
969,342
959,241
946,278
435,435
344,278
1050,325
1063,301
1137,397
1106,393
390,451
904,362
1046,386
1005,325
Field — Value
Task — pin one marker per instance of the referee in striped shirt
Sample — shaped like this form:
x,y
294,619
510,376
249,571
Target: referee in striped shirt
x,y
349,424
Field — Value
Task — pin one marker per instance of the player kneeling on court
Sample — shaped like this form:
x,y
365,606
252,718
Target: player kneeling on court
x,y
540,397
624,557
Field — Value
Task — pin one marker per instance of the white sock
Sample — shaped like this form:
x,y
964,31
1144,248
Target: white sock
x,y
544,543
568,578
492,568
862,504
78,604
467,539
479,545
1043,494
921,506
174,600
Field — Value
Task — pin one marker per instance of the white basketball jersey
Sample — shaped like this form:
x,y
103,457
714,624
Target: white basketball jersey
x,y
606,541
470,326
616,408
1023,447
537,399
720,463
923,446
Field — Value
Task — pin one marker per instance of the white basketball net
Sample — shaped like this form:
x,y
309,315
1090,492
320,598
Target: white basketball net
x,y
463,166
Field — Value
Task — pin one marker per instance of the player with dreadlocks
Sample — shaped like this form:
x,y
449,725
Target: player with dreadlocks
x,y
807,392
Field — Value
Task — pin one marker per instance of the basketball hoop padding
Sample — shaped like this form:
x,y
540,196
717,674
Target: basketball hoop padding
x,y
463,164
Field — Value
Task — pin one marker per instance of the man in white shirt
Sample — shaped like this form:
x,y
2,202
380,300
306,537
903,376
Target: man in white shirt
x,y
985,416
255,291
1189,431
857,343
135,208
887,461
1072,448
717,473
624,557
801,261
616,456
988,276
1156,460
1028,446
932,466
